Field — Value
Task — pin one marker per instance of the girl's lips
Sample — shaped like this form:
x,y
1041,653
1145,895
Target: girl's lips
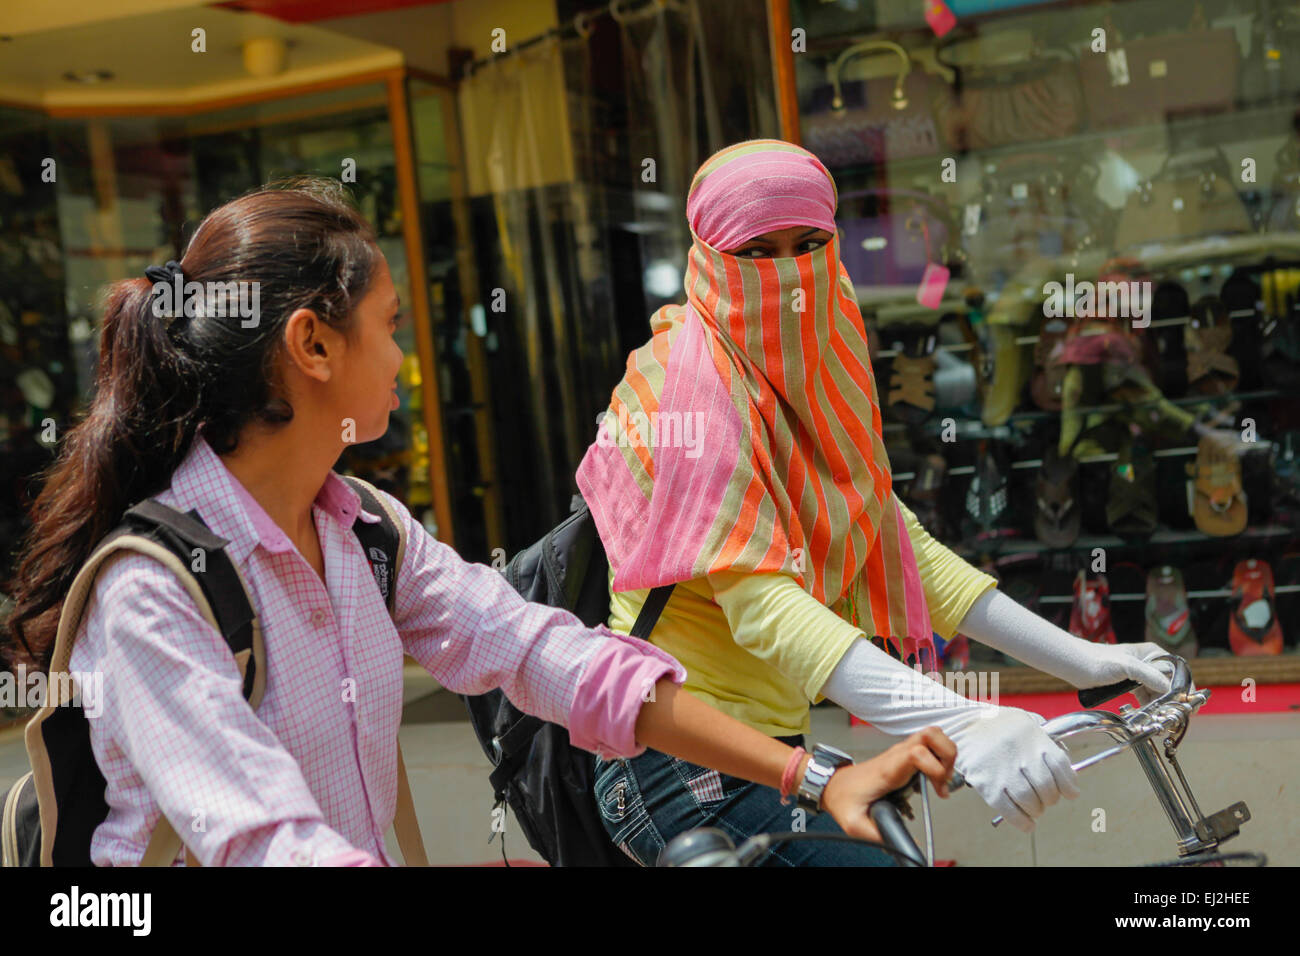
x,y
396,401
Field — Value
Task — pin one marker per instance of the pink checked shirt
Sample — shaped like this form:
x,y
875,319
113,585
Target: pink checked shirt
x,y
311,777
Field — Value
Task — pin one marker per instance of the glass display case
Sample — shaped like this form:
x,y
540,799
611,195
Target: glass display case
x,y
1072,229
127,192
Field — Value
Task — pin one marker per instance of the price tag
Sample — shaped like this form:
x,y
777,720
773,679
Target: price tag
x,y
1117,66
940,18
933,283
971,221
1019,191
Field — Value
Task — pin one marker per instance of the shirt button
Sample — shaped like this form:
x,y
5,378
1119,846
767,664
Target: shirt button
x,y
318,617
300,858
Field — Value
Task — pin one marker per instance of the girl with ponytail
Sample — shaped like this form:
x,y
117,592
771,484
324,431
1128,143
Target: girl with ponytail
x,y
242,421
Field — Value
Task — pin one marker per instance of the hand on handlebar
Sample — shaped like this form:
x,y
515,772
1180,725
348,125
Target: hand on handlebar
x,y
1112,663
852,790
1013,764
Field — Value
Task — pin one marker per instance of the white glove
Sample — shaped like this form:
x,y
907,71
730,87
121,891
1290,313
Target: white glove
x,y
1013,765
1002,751
1004,625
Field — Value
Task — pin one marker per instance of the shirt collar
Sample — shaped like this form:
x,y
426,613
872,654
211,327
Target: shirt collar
x,y
203,482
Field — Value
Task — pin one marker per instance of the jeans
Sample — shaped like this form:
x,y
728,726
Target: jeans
x,y
645,801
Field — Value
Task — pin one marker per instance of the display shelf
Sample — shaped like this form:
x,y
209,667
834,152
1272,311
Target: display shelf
x,y
1192,595
1028,463
1089,542
973,428
1206,672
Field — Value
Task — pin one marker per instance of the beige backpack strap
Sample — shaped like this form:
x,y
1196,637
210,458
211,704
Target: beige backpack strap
x,y
405,823
74,605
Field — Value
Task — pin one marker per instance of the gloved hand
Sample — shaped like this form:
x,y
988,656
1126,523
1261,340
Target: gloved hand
x,y
1001,623
1001,751
1013,765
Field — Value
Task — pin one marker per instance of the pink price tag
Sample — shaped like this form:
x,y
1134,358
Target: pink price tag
x,y
940,18
933,283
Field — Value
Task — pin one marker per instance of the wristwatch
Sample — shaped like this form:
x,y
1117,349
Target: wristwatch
x,y
825,760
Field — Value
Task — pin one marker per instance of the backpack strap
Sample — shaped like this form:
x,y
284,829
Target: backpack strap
x,y
512,746
384,543
164,534
385,547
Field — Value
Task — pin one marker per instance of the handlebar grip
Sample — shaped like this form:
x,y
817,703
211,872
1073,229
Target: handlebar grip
x,y
890,823
1095,696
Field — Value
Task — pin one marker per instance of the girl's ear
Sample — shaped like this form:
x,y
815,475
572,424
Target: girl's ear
x,y
308,343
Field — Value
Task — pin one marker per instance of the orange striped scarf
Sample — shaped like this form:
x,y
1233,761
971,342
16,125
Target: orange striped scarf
x,y
746,436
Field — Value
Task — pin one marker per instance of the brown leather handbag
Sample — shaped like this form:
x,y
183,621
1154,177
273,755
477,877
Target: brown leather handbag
x,y
1026,102
1191,197
1147,79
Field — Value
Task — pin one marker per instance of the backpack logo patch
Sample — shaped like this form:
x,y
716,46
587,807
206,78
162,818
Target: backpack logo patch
x,y
379,564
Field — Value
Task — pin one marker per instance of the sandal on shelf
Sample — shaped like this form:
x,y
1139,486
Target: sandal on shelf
x,y
1168,617
1253,628
1090,615
956,653
1286,480
987,497
1131,507
924,496
1207,335
1217,499
1049,369
911,380
1280,330
1056,521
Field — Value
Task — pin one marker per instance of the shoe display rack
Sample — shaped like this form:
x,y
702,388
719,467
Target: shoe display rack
x,y
1103,408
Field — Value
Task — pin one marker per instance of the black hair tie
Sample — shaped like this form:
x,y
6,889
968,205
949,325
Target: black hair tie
x,y
162,273
166,274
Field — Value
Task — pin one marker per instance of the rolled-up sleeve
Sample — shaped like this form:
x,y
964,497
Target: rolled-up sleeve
x,y
473,632
174,714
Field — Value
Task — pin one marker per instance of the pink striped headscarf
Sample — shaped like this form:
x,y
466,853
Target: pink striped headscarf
x,y
790,474
744,192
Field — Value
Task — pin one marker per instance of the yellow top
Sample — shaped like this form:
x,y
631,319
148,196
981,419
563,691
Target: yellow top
x,y
759,647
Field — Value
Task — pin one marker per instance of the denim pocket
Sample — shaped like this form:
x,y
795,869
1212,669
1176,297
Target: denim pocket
x,y
612,796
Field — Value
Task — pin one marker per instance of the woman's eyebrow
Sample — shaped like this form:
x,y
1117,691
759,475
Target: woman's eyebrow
x,y
810,232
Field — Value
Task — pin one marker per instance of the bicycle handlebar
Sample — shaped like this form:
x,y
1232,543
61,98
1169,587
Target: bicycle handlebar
x,y
1165,716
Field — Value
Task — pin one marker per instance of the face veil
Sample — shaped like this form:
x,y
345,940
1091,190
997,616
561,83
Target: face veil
x,y
770,355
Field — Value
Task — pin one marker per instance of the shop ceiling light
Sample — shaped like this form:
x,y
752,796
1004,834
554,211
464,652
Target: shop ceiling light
x,y
88,76
265,56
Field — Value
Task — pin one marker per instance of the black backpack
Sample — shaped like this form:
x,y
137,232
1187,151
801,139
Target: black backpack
x,y
65,788
546,780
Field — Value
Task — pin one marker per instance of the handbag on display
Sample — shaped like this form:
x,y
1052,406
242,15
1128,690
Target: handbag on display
x,y
1283,207
889,236
1033,205
1147,79
1270,71
1191,197
1004,94
869,129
